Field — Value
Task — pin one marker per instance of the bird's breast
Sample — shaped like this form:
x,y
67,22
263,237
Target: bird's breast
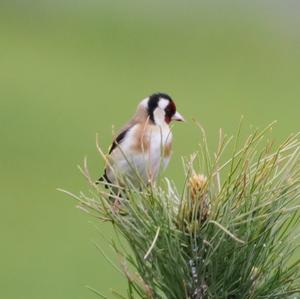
x,y
145,150
153,140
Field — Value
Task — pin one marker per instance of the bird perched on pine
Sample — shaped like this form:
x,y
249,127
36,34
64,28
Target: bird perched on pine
x,y
143,146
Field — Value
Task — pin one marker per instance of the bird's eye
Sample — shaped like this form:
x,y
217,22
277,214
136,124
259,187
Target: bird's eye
x,y
169,111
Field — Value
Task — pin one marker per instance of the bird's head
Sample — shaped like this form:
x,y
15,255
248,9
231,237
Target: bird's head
x,y
161,109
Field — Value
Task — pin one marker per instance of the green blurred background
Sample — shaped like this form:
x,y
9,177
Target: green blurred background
x,y
69,69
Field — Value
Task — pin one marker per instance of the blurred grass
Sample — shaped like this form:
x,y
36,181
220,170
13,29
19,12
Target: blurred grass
x,y
70,69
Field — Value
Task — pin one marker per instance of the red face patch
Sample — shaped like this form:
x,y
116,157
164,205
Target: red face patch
x,y
170,110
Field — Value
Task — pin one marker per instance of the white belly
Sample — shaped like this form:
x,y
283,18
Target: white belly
x,y
142,166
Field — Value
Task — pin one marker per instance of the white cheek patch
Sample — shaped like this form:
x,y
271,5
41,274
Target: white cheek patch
x,y
159,113
159,116
163,103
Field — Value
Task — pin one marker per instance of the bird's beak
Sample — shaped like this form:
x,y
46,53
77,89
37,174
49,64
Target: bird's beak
x,y
178,117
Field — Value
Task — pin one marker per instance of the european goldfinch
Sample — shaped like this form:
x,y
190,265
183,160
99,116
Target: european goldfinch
x,y
143,147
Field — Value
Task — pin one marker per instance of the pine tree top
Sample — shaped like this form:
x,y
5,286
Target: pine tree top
x,y
232,232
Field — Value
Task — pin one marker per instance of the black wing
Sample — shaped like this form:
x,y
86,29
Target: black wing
x,y
115,143
118,140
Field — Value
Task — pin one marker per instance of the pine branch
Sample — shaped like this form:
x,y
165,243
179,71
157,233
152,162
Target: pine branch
x,y
232,232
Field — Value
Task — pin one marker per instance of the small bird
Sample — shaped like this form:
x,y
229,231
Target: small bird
x,y
143,146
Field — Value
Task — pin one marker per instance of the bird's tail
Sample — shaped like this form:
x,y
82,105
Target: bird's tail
x,y
115,194
104,178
